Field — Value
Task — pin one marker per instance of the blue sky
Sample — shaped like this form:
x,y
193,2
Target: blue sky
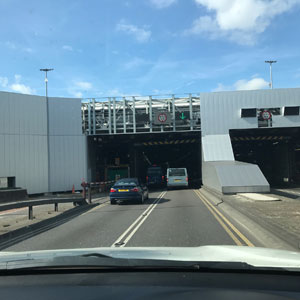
x,y
147,47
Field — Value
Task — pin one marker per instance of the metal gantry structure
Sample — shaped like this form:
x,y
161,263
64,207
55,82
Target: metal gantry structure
x,y
141,114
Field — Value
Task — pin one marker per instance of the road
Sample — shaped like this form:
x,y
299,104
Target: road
x,y
168,218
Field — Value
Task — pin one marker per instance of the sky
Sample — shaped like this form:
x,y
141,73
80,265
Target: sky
x,y
101,48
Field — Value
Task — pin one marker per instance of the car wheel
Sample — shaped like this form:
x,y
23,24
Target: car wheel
x,y
112,202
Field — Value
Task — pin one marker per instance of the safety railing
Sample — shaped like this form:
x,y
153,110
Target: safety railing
x,y
37,202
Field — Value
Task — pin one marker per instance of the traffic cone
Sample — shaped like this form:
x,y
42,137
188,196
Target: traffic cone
x,y
73,189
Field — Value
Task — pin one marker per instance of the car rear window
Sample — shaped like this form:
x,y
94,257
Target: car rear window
x,y
177,172
156,171
126,183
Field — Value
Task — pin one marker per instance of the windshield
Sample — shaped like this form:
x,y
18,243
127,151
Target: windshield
x,y
177,172
149,123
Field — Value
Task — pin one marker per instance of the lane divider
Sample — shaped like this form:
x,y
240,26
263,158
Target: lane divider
x,y
232,231
132,229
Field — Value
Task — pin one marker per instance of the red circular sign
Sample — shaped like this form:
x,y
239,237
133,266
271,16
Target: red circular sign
x,y
266,115
162,117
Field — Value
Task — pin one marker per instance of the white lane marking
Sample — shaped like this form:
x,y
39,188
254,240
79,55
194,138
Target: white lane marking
x,y
144,215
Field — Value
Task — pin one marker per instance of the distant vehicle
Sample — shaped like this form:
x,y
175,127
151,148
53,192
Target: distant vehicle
x,y
128,189
155,177
177,177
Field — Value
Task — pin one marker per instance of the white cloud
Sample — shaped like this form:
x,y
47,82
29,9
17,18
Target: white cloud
x,y
136,62
22,88
243,84
162,3
83,85
78,94
3,82
252,84
18,78
141,35
238,20
18,87
28,50
114,93
221,87
10,45
67,48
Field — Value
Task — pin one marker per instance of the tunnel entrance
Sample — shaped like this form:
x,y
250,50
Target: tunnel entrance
x,y
115,156
275,150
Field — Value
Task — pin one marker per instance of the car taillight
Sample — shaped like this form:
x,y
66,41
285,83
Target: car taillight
x,y
112,190
167,179
147,178
134,190
187,179
162,178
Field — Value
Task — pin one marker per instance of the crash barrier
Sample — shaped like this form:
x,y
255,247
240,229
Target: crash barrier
x,y
31,203
12,194
88,188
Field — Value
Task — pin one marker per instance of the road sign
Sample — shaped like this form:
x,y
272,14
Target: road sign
x,y
162,118
182,116
266,115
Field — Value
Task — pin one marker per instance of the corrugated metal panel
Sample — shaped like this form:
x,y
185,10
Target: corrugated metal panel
x,y
220,111
68,162
65,116
23,142
67,144
217,147
243,177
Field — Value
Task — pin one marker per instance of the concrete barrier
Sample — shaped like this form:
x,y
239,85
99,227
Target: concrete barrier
x,y
11,195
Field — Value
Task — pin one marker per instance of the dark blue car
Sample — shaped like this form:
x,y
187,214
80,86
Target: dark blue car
x,y
155,177
128,189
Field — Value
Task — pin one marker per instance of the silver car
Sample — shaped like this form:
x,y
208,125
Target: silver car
x,y
177,177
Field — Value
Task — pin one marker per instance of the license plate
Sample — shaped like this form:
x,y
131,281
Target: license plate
x,y
177,180
123,190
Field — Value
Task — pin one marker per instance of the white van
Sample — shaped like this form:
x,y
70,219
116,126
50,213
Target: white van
x,y
177,177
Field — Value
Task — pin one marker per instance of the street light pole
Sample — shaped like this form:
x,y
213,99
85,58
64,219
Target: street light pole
x,y
271,79
47,116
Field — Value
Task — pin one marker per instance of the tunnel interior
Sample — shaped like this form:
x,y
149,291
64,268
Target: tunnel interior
x,y
129,155
275,150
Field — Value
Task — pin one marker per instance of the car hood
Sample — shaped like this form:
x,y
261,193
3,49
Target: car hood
x,y
256,257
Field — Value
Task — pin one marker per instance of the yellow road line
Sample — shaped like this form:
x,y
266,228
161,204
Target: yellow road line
x,y
95,208
222,223
240,235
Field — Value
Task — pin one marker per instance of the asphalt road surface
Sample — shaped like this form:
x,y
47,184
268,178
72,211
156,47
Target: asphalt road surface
x,y
179,218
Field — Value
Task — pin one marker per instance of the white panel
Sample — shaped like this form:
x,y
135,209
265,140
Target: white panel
x,y
65,116
220,111
2,112
2,156
217,147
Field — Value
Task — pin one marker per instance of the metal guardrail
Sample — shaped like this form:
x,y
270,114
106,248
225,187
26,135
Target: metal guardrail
x,y
103,186
31,203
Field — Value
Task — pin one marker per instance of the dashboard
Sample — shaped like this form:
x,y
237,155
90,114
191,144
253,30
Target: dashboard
x,y
149,285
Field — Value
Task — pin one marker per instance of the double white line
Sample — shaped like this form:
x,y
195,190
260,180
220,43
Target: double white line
x,y
132,229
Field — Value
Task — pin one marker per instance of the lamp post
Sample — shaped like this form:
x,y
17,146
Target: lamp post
x,y
271,79
47,116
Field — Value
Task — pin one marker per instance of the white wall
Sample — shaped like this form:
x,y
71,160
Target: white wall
x,y
23,140
221,111
68,163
